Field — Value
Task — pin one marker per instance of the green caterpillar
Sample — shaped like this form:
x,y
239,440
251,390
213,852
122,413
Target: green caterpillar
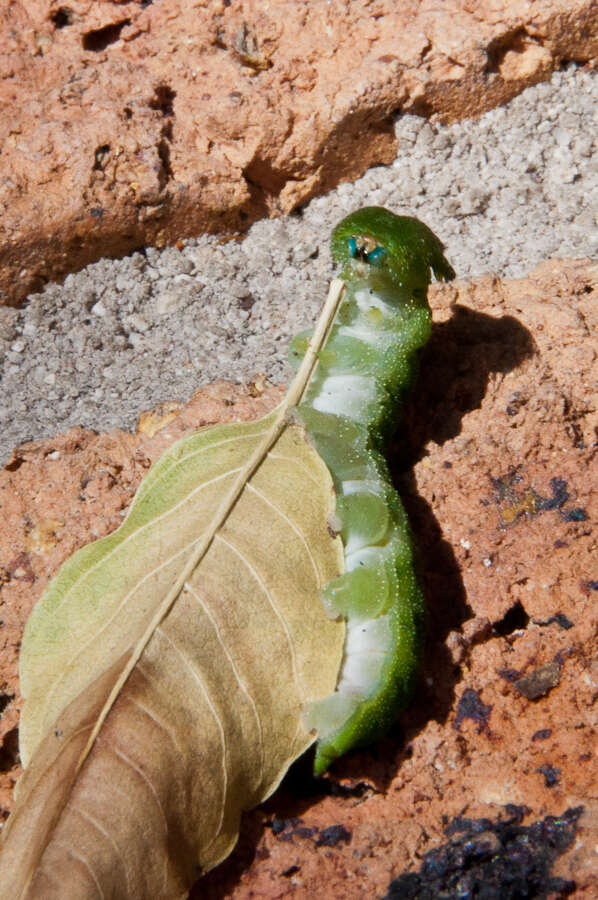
x,y
349,409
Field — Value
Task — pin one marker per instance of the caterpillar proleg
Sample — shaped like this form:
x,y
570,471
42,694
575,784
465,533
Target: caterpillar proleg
x,y
349,409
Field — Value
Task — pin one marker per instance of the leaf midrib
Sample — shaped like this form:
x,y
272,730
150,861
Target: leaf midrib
x,y
229,501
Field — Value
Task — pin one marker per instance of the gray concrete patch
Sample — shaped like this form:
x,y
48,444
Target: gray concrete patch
x,y
503,192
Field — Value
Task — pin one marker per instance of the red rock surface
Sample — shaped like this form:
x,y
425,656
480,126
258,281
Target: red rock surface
x,y
499,472
129,123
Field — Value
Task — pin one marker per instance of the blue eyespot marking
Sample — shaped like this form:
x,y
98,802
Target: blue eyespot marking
x,y
365,249
375,257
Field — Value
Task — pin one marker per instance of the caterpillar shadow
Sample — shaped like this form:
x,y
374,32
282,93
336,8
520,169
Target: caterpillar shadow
x,y
456,365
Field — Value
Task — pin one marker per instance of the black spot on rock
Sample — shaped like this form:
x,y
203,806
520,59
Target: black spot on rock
x,y
500,860
333,835
550,773
163,99
471,707
576,515
509,675
280,825
559,619
542,734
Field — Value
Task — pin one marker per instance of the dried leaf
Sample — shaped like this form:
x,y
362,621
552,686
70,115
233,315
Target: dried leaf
x,y
166,668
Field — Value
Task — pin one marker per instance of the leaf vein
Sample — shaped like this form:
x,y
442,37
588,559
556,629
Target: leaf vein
x,y
169,731
292,525
68,667
240,681
129,762
272,603
105,833
208,447
89,868
104,558
159,630
295,462
132,765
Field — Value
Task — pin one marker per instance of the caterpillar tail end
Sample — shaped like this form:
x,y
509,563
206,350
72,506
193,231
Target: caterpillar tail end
x,y
369,722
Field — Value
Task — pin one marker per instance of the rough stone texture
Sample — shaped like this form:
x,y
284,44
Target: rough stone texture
x,y
142,123
497,465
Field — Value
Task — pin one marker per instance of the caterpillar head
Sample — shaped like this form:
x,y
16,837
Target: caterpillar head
x,y
374,242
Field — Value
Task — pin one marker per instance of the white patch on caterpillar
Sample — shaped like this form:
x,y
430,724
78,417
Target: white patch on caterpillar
x,y
361,673
355,541
380,339
366,300
371,636
346,395
367,646
364,486
329,714
369,557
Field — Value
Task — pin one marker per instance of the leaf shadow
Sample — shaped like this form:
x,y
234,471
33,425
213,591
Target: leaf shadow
x,y
456,365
